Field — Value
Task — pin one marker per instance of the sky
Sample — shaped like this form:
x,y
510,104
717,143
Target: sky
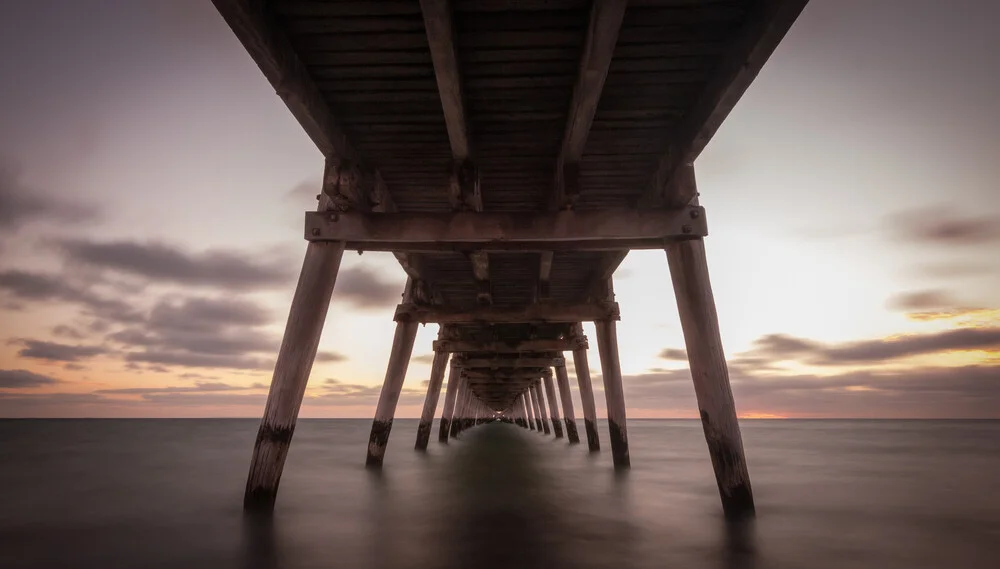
x,y
152,187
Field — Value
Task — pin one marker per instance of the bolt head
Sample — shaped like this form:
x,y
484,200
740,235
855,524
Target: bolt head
x,y
686,229
315,231
695,214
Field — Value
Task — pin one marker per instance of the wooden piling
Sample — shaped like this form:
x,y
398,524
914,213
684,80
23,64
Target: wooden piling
x,y
562,380
550,394
449,403
430,400
700,323
460,401
540,403
291,372
607,347
531,411
522,420
586,389
399,360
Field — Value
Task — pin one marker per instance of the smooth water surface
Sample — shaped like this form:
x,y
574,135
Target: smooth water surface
x,y
168,493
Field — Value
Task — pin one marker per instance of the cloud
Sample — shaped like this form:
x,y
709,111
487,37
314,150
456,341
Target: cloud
x,y
200,387
189,359
364,288
334,393
305,192
215,332
673,354
784,347
922,300
326,356
161,262
969,391
55,352
19,379
944,226
40,287
21,205
64,331
423,359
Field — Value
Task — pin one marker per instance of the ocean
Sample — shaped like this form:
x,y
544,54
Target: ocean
x,y
168,493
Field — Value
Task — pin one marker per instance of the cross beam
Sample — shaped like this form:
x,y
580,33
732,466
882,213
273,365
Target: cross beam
x,y
563,230
590,312
497,363
539,345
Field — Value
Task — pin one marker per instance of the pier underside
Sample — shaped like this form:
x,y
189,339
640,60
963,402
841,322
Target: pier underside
x,y
509,153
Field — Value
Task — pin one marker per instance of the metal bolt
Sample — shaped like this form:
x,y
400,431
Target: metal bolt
x,y
695,213
315,231
686,229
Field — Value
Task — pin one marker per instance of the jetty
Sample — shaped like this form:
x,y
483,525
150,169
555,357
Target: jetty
x,y
509,154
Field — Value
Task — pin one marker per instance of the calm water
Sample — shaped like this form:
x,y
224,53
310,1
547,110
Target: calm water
x,y
155,493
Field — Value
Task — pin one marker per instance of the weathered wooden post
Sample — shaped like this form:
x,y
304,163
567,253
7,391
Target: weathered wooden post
x,y
550,394
586,388
566,397
430,400
519,413
529,406
540,403
607,347
395,373
291,372
461,399
449,401
700,324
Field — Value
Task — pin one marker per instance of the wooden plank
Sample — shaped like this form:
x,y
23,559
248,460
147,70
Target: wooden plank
x,y
542,231
513,315
743,60
441,38
598,50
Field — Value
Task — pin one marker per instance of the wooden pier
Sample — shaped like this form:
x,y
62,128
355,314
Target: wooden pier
x,y
509,153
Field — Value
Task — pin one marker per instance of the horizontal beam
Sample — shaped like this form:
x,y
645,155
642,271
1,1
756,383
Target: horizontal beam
x,y
494,363
524,346
546,231
409,312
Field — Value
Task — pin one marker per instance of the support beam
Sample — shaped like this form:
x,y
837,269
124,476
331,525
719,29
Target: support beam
x,y
430,400
291,373
556,313
441,39
591,230
566,397
602,35
750,48
700,323
461,404
586,390
524,346
535,408
540,401
506,363
449,402
607,346
526,395
399,360
550,394
481,272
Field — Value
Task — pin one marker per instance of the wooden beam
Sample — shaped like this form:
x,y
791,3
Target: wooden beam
x,y
598,50
481,272
409,312
746,55
524,346
510,362
441,38
569,230
542,290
